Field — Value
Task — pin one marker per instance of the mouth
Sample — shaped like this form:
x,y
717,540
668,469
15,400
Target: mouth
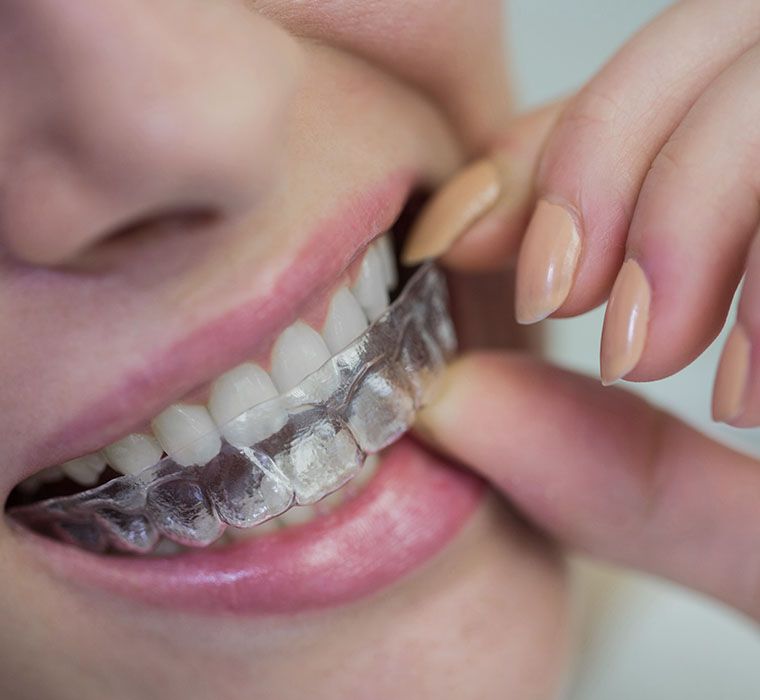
x,y
284,483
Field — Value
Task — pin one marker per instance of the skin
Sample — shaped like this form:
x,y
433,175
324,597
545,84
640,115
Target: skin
x,y
118,239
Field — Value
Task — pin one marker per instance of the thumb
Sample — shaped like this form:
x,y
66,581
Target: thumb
x,y
604,472
490,201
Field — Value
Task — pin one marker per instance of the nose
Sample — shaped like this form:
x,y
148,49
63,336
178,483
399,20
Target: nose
x,y
118,112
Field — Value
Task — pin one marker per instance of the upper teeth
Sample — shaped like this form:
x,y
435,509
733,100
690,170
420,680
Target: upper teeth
x,y
133,453
296,354
346,320
371,286
234,393
191,434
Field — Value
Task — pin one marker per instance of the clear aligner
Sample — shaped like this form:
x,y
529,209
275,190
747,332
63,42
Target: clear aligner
x,y
360,401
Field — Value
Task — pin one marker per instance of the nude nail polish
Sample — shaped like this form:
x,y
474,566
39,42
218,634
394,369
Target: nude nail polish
x,y
625,323
470,195
731,378
547,263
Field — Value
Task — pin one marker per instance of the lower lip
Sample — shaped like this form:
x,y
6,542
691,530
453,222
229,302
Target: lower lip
x,y
410,510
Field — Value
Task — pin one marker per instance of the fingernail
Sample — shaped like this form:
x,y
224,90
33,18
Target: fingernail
x,y
546,263
731,379
463,200
625,323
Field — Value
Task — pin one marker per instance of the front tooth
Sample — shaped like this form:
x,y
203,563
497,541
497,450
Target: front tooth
x,y
345,321
232,397
187,434
297,353
385,248
85,470
369,287
133,453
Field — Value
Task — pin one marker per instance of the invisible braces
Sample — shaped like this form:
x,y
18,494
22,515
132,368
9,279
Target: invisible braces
x,y
360,401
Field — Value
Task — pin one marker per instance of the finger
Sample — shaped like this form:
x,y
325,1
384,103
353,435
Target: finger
x,y
489,201
605,473
736,397
599,154
687,246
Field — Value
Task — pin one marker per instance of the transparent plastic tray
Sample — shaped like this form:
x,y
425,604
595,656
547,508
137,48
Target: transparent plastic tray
x,y
360,401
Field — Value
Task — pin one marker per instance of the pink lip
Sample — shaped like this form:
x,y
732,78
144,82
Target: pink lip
x,y
409,511
172,370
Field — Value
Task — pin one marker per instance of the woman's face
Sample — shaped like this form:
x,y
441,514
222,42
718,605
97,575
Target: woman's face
x,y
179,182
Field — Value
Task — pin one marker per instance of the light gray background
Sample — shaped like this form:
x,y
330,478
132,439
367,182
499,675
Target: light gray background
x,y
646,639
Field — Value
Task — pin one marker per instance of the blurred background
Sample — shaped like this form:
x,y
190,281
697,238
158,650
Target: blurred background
x,y
642,638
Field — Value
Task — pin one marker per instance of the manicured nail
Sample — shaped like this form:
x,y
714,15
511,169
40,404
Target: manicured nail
x,y
546,264
463,200
731,379
625,323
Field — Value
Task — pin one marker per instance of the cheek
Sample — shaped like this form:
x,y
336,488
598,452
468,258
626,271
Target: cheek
x,y
452,50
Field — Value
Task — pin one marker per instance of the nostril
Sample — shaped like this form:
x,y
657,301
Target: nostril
x,y
115,123
82,244
184,219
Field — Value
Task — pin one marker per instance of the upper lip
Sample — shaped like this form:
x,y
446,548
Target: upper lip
x,y
170,371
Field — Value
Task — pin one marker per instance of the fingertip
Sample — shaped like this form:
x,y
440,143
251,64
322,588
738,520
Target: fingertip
x,y
477,219
626,323
729,393
453,210
547,262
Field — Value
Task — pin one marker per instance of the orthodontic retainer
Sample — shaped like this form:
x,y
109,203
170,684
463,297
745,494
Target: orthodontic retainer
x,y
360,401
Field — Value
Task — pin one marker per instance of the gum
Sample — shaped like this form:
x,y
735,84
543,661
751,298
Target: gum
x,y
360,401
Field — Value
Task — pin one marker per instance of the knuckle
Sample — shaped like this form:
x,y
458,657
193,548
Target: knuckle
x,y
596,109
673,158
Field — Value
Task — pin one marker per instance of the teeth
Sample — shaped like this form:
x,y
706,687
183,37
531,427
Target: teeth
x,y
46,476
297,353
370,286
345,321
187,434
30,484
245,533
300,515
237,391
133,453
331,501
367,471
85,470
385,248
318,450
51,474
166,548
190,434
297,515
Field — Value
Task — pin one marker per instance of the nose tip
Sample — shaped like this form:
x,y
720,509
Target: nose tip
x,y
140,127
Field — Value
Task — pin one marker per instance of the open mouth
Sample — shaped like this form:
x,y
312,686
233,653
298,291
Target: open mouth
x,y
292,447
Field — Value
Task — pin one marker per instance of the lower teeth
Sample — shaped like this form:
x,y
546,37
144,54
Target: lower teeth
x,y
360,401
295,517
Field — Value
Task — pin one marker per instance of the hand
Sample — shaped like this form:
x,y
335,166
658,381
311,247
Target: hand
x,y
644,188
